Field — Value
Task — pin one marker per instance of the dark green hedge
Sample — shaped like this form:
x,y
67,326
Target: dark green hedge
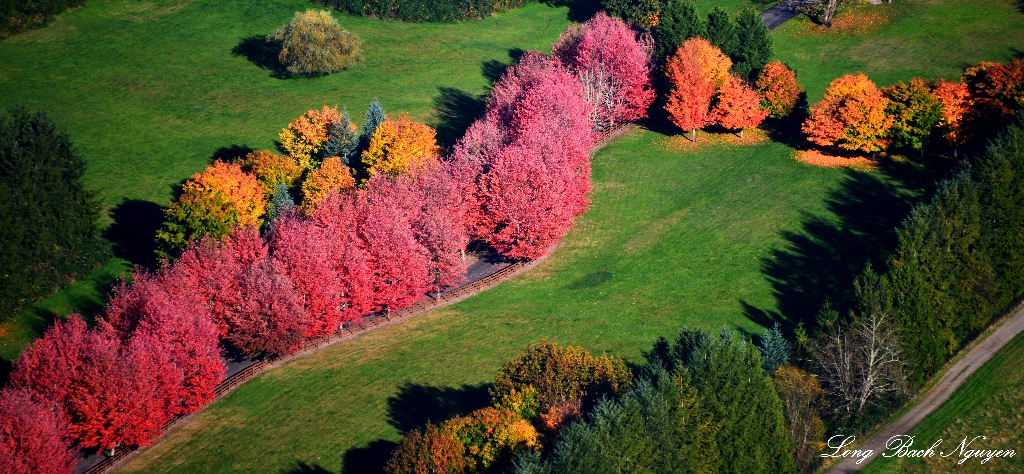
x,y
960,259
21,15
439,11
47,218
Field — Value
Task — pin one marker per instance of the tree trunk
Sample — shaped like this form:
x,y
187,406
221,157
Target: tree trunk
x,y
741,133
693,135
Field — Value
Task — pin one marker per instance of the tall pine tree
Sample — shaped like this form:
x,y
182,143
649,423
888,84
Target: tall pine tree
x,y
679,22
755,44
721,32
47,217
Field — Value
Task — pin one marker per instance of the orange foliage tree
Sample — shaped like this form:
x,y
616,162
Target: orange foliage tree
x,y
398,146
212,202
693,72
271,169
306,136
778,89
429,450
738,106
956,101
330,177
997,91
850,116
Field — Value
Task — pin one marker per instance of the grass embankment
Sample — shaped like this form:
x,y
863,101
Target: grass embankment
x,y
987,404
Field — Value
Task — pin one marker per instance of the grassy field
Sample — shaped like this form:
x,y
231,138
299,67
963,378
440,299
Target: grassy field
x,y
721,234
987,404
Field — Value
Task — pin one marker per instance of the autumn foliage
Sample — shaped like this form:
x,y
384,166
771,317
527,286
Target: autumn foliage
x,y
692,86
614,63
850,116
306,136
212,203
331,176
314,43
778,89
956,102
271,170
737,106
997,92
398,146
33,436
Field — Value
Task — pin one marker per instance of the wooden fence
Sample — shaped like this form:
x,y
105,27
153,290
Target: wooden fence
x,y
351,331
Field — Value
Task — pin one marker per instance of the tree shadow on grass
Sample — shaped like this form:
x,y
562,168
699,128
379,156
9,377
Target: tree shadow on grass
x,y
231,153
579,10
263,54
369,459
454,111
823,257
133,233
303,468
416,405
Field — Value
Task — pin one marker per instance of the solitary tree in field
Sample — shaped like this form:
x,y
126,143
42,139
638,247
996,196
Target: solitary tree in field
x,y
314,43
850,116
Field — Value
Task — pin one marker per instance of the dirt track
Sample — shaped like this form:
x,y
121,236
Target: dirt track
x,y
939,393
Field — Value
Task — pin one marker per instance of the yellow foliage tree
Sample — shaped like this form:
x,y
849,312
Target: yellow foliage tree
x,y
398,146
307,135
271,169
330,177
714,63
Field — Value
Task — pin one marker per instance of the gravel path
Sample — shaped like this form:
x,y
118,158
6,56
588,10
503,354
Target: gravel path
x,y
940,393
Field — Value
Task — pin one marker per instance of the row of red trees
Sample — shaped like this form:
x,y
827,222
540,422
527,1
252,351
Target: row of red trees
x,y
516,180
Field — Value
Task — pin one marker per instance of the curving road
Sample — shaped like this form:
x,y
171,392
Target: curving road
x,y
938,394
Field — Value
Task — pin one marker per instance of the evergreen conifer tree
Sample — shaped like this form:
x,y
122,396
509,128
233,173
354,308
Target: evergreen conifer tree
x,y
774,349
374,117
679,22
281,204
721,32
755,44
342,140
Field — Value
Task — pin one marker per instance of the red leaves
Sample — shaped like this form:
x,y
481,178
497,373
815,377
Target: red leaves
x,y
738,106
33,437
689,101
269,318
614,64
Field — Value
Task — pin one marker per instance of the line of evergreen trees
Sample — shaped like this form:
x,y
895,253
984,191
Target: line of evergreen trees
x,y
48,220
21,15
960,259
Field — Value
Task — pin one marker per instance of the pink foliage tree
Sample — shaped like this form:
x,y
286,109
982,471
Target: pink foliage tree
x,y
166,307
49,367
614,64
120,396
338,216
270,318
438,221
33,436
399,264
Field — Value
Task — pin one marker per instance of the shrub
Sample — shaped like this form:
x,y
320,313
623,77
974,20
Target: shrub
x,y
18,16
850,116
778,89
561,375
643,14
916,112
330,177
48,219
397,146
313,43
307,135
212,203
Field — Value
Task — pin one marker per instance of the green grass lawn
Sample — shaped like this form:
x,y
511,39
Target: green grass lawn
x,y
988,404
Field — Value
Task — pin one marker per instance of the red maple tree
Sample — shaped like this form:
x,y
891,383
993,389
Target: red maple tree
x,y
689,101
33,436
49,366
737,106
614,64
438,220
338,216
166,307
269,318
